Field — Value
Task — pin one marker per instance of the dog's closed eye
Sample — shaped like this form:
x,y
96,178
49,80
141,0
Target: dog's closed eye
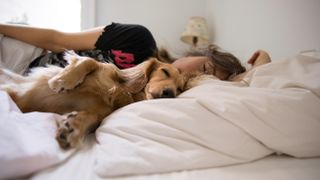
x,y
166,72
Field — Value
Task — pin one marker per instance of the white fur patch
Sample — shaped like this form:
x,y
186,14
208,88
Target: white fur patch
x,y
71,57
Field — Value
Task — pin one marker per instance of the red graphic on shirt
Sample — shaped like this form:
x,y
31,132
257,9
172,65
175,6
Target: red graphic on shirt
x,y
123,60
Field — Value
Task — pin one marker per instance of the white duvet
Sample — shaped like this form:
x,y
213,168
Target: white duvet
x,y
218,123
214,124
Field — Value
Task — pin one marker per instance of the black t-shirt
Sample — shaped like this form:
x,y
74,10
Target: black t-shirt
x,y
124,45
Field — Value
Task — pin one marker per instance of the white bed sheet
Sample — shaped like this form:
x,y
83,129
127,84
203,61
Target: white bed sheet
x,y
274,167
27,142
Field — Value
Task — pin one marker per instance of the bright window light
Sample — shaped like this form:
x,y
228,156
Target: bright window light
x,y
64,15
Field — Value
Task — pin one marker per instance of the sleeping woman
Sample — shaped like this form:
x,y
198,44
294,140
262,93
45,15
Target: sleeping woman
x,y
212,60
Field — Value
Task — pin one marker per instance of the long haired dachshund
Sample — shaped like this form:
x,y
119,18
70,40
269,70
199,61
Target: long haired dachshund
x,y
86,91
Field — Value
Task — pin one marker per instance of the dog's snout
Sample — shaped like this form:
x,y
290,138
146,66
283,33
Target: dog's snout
x,y
167,93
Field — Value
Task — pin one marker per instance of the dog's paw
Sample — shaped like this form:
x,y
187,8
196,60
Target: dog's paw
x,y
63,84
68,135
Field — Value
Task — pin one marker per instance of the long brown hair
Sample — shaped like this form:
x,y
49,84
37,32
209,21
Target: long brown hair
x,y
225,61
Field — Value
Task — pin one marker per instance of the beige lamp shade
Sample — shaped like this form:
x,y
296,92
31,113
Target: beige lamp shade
x,y
196,32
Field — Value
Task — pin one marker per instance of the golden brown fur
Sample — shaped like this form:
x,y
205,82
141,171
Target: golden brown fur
x,y
86,91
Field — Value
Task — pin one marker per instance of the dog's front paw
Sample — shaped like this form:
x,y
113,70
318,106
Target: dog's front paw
x,y
68,135
62,83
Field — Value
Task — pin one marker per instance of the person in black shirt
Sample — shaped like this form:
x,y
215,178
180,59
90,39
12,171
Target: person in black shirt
x,y
124,45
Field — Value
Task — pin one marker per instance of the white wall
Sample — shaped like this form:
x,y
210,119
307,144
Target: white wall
x,y
282,27
165,18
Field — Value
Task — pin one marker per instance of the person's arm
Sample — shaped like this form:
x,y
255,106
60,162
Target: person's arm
x,y
259,58
51,39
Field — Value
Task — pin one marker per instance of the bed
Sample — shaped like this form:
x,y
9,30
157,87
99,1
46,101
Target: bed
x,y
266,127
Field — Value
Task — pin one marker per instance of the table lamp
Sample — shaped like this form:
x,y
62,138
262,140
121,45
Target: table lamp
x,y
196,32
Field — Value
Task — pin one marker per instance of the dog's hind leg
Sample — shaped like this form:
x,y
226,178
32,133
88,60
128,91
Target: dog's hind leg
x,y
75,126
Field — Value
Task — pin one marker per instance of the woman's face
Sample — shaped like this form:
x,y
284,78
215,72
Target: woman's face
x,y
198,64
194,64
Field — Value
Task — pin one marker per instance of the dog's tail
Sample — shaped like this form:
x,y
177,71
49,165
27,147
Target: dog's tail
x,y
71,57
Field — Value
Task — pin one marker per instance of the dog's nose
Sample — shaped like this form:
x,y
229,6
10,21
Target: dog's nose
x,y
167,93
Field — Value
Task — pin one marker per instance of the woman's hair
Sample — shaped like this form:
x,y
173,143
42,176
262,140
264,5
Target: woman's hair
x,y
225,61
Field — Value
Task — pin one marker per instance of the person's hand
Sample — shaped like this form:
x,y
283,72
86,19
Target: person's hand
x,y
260,57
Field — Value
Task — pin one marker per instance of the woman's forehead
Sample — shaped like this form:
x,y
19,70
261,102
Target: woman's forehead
x,y
191,63
197,59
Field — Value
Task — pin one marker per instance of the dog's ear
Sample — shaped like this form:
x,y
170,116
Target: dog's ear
x,y
153,64
135,79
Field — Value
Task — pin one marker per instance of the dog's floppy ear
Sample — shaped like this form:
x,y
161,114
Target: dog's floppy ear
x,y
153,64
135,79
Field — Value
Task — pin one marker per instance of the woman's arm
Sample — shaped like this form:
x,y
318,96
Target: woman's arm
x,y
259,58
51,39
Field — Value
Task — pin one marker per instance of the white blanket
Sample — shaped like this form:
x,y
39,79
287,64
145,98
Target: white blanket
x,y
218,123
27,141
